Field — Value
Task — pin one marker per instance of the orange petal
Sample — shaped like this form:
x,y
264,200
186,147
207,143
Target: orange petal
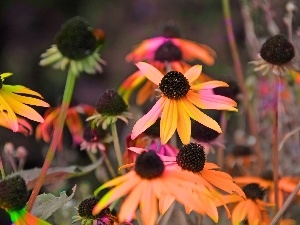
x,y
147,120
253,215
199,116
239,212
209,85
148,206
168,121
145,93
8,113
150,72
19,89
28,100
193,73
165,202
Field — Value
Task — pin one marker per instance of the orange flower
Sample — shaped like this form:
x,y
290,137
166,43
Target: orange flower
x,y
11,103
23,126
286,185
73,122
150,181
252,209
179,101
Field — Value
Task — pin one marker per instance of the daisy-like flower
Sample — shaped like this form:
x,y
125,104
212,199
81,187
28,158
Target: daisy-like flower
x,y
104,217
166,52
179,101
150,181
110,107
286,185
12,103
251,210
77,44
95,139
13,198
276,54
73,122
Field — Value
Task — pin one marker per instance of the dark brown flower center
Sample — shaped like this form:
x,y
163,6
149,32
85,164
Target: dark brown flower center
x,y
191,157
148,165
86,207
168,52
174,85
254,191
111,104
75,39
203,133
13,193
277,50
94,134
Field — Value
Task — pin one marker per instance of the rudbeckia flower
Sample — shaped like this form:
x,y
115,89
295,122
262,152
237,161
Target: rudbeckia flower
x,y
77,45
12,103
13,198
149,181
251,210
286,185
179,101
73,122
166,52
23,126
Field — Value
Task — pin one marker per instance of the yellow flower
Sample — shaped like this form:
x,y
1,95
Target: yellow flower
x,y
179,101
12,103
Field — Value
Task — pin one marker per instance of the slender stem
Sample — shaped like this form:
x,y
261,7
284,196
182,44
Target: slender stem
x,y
108,165
2,169
275,143
285,205
68,92
239,75
220,153
117,145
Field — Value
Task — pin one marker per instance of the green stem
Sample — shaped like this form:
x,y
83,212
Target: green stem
x,y
68,92
2,169
117,145
240,79
108,165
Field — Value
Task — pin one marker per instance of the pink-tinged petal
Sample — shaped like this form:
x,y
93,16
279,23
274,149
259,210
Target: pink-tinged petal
x,y
199,116
116,193
193,73
19,89
130,204
137,150
75,125
192,50
184,127
150,72
148,205
28,100
45,129
168,122
22,109
8,113
145,50
211,101
23,126
239,212
209,85
147,120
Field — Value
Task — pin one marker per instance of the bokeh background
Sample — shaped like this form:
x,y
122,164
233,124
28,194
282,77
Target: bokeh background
x,y
28,28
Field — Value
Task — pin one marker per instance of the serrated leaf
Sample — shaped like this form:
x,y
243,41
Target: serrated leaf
x,y
55,174
46,204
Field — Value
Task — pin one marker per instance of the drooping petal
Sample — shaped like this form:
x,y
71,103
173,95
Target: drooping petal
x,y
22,109
131,203
8,113
192,50
19,89
254,215
147,120
27,100
199,116
150,72
193,73
116,193
168,122
23,126
239,212
165,201
4,75
148,206
184,126
145,93
211,101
